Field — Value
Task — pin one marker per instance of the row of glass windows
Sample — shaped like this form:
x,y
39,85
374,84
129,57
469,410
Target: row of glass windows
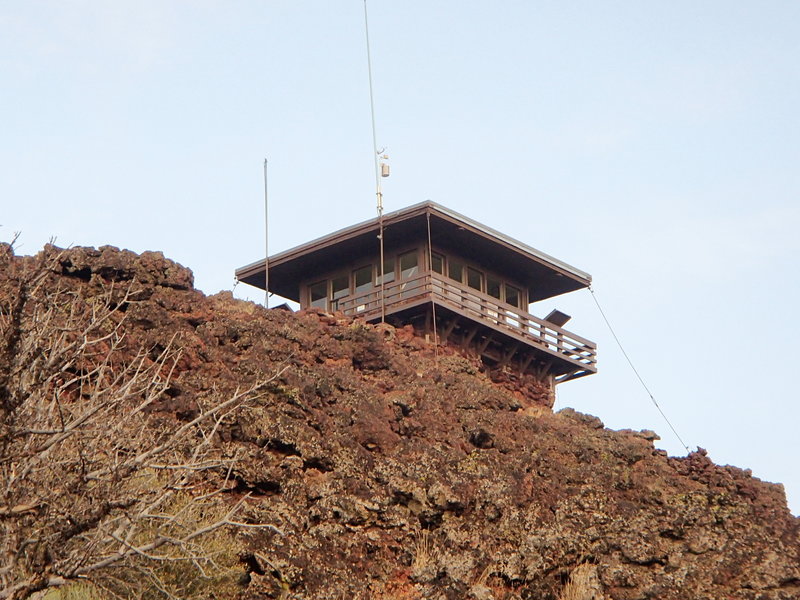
x,y
490,285
327,293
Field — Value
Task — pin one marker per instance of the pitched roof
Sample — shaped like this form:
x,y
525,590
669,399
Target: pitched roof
x,y
543,275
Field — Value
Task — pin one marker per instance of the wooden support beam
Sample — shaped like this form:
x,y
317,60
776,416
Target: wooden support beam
x,y
485,344
541,370
448,330
509,355
526,363
572,375
468,338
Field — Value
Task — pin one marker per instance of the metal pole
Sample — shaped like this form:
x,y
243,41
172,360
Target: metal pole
x,y
433,303
378,191
266,238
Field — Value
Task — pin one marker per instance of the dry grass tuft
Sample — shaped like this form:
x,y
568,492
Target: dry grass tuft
x,y
583,584
423,551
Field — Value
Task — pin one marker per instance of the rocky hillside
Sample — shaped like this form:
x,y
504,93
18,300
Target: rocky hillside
x,y
392,471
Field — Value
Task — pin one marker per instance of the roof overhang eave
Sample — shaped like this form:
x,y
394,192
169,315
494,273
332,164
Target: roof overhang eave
x,y
252,270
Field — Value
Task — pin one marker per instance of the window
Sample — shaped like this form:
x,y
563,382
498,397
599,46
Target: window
x,y
474,279
318,294
512,296
408,264
362,279
437,263
388,271
340,287
455,270
493,287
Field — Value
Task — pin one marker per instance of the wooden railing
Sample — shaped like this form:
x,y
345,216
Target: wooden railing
x,y
476,305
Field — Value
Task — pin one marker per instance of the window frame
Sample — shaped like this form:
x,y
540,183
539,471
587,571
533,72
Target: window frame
x,y
415,270
441,257
518,291
387,261
462,265
481,278
325,298
354,281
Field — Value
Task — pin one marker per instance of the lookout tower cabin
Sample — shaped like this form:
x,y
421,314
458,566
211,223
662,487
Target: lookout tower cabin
x,y
447,275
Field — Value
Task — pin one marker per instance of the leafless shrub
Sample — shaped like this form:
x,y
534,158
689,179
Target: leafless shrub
x,y
93,487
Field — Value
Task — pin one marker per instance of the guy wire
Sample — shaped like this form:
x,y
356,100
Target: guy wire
x,y
644,385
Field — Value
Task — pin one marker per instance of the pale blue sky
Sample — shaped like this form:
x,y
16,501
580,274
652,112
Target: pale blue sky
x,y
654,145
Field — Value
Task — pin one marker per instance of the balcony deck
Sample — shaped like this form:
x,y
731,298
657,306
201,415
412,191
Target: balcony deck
x,y
513,331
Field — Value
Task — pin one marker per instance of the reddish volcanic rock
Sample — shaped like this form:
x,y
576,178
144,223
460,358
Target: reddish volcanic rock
x,y
399,471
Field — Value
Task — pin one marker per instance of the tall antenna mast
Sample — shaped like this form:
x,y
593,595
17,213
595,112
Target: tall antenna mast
x,y
266,238
381,169
378,190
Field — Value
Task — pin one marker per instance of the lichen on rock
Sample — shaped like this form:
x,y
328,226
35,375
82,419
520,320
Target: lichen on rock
x,y
370,441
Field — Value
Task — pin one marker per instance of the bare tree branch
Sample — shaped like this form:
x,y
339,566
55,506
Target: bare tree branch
x,y
90,479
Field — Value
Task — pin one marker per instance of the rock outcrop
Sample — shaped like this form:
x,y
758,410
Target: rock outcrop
x,y
397,470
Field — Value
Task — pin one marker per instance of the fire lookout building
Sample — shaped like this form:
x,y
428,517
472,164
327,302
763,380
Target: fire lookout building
x,y
446,275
